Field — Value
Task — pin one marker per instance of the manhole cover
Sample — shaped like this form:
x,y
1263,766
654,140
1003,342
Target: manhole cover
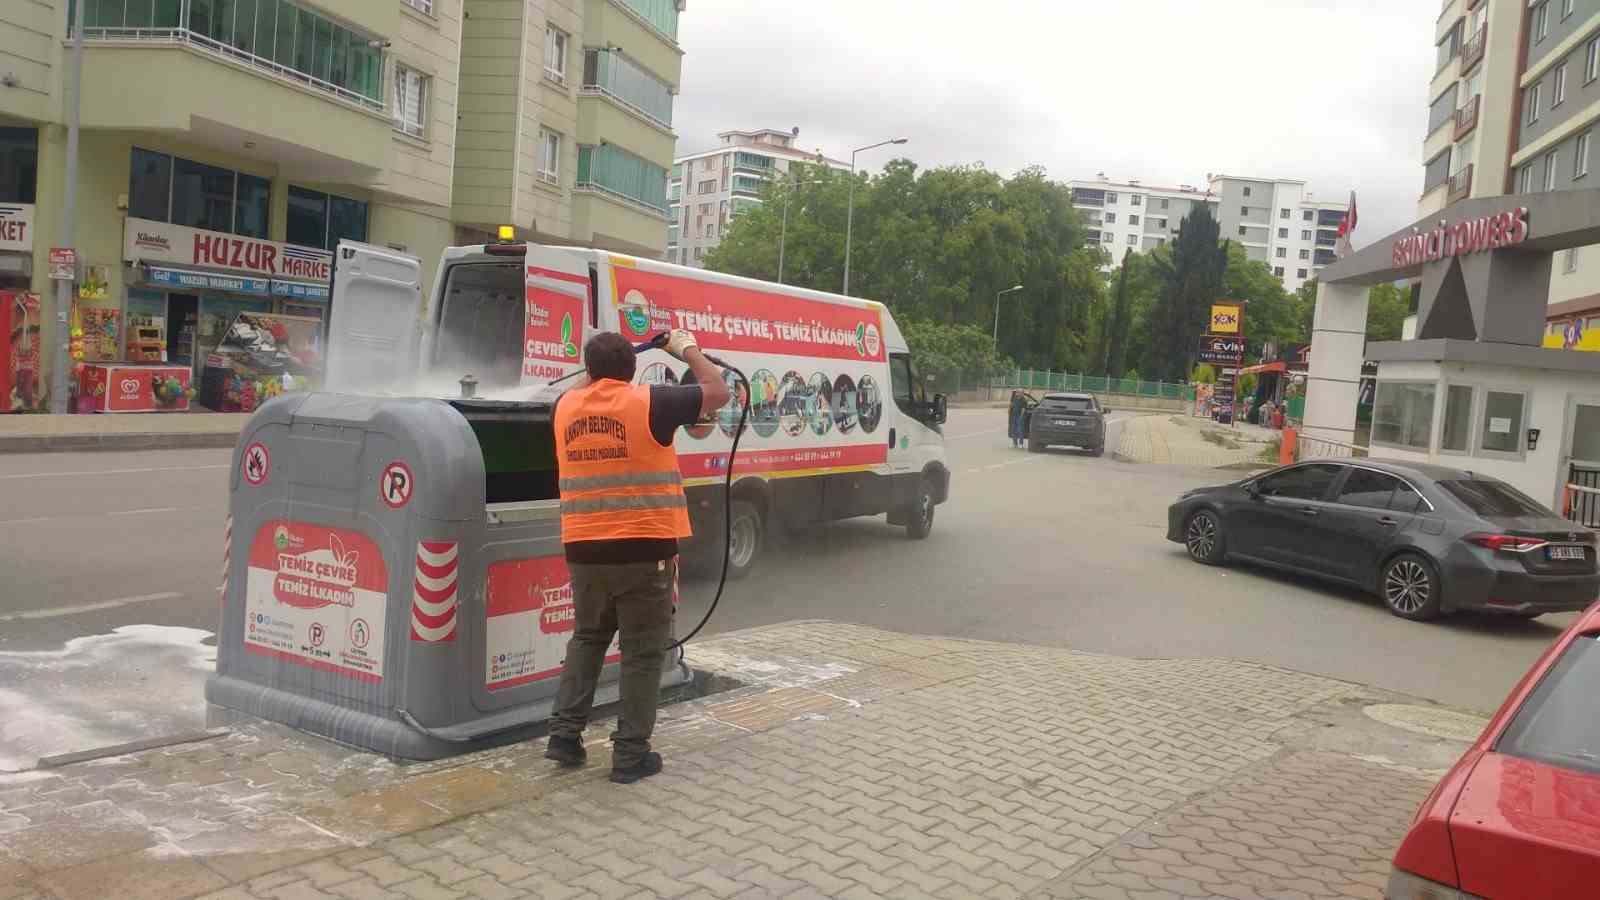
x,y
1441,723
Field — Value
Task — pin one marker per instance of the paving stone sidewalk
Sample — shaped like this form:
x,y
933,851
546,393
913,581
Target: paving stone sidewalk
x,y
143,431
843,762
1189,441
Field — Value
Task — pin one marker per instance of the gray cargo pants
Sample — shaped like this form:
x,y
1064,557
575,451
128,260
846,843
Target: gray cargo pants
x,y
635,598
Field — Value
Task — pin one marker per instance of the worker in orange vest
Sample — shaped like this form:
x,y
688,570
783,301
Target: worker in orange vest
x,y
622,514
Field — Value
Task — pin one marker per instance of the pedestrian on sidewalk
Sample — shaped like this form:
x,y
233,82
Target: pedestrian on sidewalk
x,y
623,512
1018,414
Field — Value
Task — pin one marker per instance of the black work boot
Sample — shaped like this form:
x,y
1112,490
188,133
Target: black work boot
x,y
648,764
566,750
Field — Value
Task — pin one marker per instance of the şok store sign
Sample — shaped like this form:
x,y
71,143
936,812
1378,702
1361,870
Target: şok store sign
x,y
191,258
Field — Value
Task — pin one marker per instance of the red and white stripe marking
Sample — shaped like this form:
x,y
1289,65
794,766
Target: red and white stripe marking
x,y
433,603
227,549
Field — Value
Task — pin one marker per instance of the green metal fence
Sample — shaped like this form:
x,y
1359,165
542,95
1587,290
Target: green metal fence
x,y
1030,379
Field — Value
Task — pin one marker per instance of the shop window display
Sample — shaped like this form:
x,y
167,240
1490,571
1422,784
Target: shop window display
x,y
260,357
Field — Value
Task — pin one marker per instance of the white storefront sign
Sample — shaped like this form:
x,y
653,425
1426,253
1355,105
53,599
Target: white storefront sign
x,y
157,242
16,227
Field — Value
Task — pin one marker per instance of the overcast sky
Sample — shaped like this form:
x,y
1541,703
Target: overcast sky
x,y
1161,90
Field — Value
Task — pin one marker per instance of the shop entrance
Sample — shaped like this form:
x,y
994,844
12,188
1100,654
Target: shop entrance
x,y
1583,458
183,322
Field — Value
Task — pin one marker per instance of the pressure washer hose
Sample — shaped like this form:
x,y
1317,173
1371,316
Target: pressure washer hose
x,y
727,510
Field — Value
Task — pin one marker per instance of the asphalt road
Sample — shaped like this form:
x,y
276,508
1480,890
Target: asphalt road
x,y
1057,548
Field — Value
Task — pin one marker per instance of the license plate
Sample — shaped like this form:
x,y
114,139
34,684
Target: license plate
x,y
1066,423
1564,553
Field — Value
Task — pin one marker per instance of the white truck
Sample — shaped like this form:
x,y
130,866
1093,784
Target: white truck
x,y
840,423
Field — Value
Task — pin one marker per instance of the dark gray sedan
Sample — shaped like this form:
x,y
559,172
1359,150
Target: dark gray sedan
x,y
1428,539
1076,420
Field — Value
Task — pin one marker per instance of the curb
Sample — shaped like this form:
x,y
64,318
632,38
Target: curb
x,y
60,443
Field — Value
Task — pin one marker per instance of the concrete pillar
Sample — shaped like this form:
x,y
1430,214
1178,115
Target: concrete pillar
x,y
1338,345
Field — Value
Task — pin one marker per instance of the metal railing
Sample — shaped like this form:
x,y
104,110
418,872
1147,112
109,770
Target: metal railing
x,y
1031,379
1472,51
1467,117
595,90
1581,504
1460,184
1309,447
185,37
590,187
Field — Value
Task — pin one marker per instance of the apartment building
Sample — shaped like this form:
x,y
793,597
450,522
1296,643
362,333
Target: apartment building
x,y
1276,221
226,146
711,187
566,121
1516,101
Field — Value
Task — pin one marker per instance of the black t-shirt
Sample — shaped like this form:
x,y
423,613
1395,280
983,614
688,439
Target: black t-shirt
x,y
672,406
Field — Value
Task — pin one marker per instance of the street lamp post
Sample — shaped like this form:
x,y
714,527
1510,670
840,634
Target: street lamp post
x,y
783,230
850,206
1009,290
69,221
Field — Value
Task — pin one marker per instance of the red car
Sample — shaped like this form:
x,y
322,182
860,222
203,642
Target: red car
x,y
1518,816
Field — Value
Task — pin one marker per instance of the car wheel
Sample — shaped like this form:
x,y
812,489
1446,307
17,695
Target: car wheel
x,y
1410,587
1202,535
1099,450
919,516
1034,446
747,535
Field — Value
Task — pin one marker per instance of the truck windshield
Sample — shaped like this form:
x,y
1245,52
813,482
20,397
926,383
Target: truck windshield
x,y
481,324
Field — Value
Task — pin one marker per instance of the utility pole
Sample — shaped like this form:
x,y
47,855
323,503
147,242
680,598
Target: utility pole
x,y
850,205
69,220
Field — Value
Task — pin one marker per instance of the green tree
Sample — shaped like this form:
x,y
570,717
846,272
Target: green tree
x,y
1271,313
1388,305
1193,277
1306,306
954,354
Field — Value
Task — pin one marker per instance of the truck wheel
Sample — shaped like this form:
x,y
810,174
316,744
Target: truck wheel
x,y
919,515
745,540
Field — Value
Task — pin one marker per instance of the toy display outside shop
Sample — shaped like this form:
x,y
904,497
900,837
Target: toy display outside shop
x,y
261,356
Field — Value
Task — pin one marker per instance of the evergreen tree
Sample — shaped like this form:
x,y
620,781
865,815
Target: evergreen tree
x,y
1193,277
1116,332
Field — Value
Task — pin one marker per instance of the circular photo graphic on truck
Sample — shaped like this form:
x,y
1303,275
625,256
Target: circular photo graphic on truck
x,y
795,403
869,404
728,415
707,424
822,404
844,404
764,402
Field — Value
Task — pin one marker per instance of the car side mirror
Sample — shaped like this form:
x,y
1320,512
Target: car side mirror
x,y
941,409
1254,490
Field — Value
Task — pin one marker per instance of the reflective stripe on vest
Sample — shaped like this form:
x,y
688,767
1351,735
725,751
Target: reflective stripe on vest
x,y
616,482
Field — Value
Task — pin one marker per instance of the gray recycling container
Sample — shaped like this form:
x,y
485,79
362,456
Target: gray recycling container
x,y
393,575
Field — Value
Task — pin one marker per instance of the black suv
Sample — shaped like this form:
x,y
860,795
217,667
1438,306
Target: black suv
x,y
1077,420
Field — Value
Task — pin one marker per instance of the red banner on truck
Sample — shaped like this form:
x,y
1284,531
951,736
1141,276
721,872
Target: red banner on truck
x,y
737,318
553,331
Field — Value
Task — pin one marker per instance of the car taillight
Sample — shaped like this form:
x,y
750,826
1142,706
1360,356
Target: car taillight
x,y
1512,542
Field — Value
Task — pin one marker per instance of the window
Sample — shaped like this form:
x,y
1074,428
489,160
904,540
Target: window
x,y
150,186
1525,179
1244,210
1111,218
1591,61
1530,100
1277,271
1283,214
611,73
1299,273
709,186
410,101
1241,231
1165,203
1111,197
1580,156
1557,724
1309,482
1133,240
1569,261
909,393
1305,254
1551,160
1281,252
252,202
555,54
1406,499
1566,8
171,189
1305,235
1436,171
1402,414
1443,108
699,252
1133,220
1493,498
19,164
1541,22
1501,431
1161,223
1457,430
1247,190
1368,489
711,229
425,6
1135,199
1309,215
1448,47
322,220
1108,237
1283,232
549,156
1558,89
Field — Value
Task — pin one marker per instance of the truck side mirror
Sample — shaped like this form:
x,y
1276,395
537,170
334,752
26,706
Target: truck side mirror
x,y
941,409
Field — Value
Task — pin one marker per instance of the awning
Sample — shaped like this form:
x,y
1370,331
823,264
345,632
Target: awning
x,y
1277,366
299,290
202,280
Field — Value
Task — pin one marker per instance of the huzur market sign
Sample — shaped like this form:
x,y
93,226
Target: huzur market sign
x,y
1505,229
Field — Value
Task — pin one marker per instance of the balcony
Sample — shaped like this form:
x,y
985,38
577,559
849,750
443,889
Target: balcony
x,y
1460,185
1472,51
609,74
1467,117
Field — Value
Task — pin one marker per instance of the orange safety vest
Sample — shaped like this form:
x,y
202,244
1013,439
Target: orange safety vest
x,y
617,482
